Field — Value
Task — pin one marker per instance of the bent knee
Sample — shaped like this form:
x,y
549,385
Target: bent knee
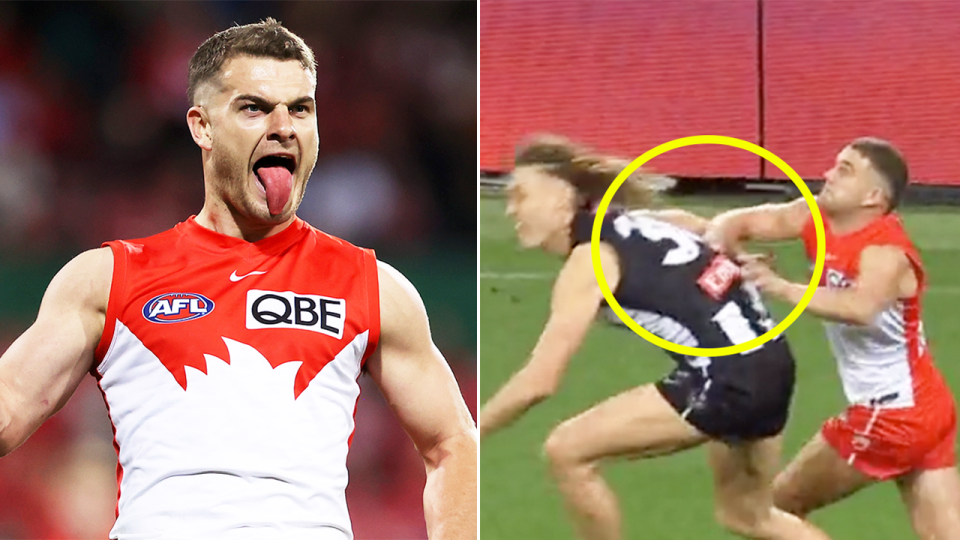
x,y
744,521
557,449
562,451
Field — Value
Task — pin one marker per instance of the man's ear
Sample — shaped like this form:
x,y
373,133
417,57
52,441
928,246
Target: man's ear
x,y
883,197
199,124
880,194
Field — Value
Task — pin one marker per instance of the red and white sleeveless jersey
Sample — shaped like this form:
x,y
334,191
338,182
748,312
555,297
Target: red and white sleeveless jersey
x,y
887,362
230,370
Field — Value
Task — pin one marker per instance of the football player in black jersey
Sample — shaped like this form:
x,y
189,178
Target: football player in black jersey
x,y
673,284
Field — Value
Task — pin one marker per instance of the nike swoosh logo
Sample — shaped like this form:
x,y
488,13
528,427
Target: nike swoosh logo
x,y
235,278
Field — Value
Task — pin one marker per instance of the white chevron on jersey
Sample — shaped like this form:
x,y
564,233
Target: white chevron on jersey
x,y
874,360
663,327
235,451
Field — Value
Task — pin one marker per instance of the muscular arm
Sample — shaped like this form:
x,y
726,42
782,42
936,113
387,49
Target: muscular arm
x,y
681,218
576,299
885,275
419,386
43,367
766,222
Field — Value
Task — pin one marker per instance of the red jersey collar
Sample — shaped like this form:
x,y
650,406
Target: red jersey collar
x,y
218,241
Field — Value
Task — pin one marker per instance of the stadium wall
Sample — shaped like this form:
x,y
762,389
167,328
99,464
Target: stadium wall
x,y
799,78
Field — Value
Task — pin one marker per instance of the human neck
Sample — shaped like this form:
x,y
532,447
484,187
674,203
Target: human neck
x,y
558,247
854,221
560,243
218,216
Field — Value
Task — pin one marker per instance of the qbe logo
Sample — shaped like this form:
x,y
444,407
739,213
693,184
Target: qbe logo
x,y
272,309
177,307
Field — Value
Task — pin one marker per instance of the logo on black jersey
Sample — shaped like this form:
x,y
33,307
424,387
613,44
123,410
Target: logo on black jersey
x,y
177,307
718,276
272,309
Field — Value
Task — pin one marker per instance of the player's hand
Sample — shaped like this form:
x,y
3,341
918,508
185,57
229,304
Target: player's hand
x,y
718,240
763,258
757,271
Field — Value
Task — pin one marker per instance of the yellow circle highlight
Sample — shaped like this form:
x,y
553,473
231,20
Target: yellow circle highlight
x,y
690,141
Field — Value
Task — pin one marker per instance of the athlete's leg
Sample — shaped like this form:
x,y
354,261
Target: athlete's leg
x,y
816,477
932,498
743,474
931,493
636,422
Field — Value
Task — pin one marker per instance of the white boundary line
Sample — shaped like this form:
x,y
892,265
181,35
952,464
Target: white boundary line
x,y
545,276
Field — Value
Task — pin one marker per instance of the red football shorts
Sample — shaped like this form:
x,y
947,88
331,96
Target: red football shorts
x,y
886,443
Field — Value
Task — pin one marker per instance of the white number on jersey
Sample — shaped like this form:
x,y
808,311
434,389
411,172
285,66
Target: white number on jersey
x,y
687,250
766,321
734,324
737,328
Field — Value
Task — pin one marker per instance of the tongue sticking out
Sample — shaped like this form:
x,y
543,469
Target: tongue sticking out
x,y
278,182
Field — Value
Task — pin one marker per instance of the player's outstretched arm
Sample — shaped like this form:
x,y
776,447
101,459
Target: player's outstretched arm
x,y
765,222
419,386
43,367
681,218
885,275
576,300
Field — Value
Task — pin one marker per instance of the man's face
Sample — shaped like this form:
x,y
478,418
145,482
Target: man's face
x,y
263,135
541,206
851,184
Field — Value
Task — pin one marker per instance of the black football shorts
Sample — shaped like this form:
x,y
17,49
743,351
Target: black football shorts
x,y
735,398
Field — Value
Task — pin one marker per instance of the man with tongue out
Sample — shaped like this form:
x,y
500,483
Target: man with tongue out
x,y
228,348
276,182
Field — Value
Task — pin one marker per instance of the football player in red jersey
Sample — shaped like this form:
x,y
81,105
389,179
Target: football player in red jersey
x,y
901,421
254,118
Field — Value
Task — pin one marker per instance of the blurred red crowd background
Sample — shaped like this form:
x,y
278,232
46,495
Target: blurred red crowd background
x,y
799,78
94,146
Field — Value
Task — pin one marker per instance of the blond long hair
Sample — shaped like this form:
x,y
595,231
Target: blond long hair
x,y
590,173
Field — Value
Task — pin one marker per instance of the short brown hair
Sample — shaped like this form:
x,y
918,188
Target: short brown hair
x,y
888,162
265,39
589,173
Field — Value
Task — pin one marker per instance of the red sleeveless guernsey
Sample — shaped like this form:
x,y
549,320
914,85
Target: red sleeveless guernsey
x,y
230,370
888,357
902,416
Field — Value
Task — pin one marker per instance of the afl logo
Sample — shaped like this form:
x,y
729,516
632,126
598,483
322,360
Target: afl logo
x,y
177,307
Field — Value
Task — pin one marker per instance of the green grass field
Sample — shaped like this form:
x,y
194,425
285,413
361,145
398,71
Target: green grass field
x,y
667,498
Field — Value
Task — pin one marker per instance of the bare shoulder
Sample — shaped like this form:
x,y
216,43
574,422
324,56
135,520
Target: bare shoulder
x,y
84,281
580,255
400,304
885,253
885,258
94,263
581,262
679,218
887,267
578,277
